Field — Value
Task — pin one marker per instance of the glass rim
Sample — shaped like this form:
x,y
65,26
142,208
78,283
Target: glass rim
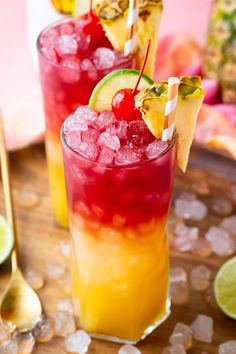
x,y
51,26
113,167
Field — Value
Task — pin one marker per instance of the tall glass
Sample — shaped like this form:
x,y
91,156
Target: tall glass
x,y
65,85
120,261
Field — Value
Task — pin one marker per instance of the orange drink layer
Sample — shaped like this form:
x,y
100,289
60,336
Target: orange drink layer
x,y
120,262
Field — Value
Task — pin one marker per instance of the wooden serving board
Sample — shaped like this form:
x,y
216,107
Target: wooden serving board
x,y
39,245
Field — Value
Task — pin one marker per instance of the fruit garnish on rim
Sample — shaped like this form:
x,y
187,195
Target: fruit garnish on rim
x,y
90,25
123,104
152,103
113,15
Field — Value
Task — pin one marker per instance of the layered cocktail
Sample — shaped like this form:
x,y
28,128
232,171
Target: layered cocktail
x,y
119,180
70,68
73,57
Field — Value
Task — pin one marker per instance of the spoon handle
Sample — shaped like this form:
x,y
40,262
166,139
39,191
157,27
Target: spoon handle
x,y
7,191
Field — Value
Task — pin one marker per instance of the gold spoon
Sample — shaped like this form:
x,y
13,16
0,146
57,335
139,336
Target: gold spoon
x,y
20,307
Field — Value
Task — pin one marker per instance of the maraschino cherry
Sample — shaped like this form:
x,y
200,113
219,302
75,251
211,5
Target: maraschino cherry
x,y
90,25
123,103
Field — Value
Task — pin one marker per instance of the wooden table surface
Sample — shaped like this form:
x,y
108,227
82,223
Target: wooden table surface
x,y
39,244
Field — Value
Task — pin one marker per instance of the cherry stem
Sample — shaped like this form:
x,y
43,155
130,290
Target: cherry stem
x,y
91,6
143,67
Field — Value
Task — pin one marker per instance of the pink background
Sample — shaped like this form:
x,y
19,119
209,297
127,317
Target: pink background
x,y
18,77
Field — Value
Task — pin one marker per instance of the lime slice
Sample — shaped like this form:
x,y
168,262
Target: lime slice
x,y
105,90
6,239
225,288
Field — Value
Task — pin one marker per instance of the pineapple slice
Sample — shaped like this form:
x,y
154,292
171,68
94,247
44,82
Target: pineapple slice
x,y
113,15
151,101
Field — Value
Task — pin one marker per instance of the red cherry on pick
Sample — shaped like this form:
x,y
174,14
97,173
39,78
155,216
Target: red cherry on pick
x,y
123,105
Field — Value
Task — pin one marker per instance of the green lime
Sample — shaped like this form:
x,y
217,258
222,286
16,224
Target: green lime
x,y
225,288
105,90
6,239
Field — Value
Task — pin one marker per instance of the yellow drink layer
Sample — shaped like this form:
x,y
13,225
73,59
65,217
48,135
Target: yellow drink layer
x,y
120,278
56,179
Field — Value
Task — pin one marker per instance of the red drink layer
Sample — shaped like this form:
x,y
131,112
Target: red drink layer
x,y
119,182
113,186
73,56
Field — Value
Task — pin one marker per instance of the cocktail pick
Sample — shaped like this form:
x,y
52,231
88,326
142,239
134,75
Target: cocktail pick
x,y
133,13
143,67
20,305
170,109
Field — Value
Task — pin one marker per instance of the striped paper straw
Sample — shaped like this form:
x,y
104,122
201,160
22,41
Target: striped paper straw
x,y
131,22
170,109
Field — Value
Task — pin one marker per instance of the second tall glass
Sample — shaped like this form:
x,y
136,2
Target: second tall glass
x,y
70,67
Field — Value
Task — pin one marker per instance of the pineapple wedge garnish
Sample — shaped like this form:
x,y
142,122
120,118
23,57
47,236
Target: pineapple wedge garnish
x,y
113,16
151,102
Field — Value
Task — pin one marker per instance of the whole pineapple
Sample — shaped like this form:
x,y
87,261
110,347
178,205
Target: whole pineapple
x,y
218,58
227,71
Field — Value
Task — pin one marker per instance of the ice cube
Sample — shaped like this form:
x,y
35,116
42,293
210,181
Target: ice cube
x,y
49,38
64,324
178,275
55,271
65,305
88,150
128,349
77,342
229,225
110,141
34,278
106,155
174,349
73,139
69,70
83,41
4,333
103,58
156,148
104,120
182,334
66,28
222,244
118,128
201,247
88,66
26,342
185,236
66,45
190,209
44,330
74,124
221,206
127,155
200,278
90,135
51,54
85,114
228,347
202,328
179,293
9,347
